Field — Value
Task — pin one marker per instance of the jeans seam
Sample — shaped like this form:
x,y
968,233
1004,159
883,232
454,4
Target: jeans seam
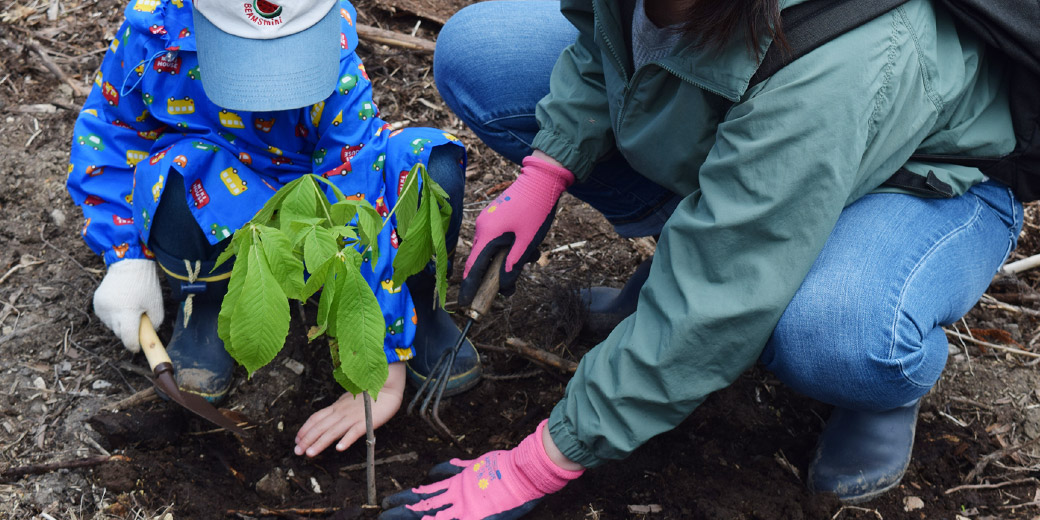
x,y
913,272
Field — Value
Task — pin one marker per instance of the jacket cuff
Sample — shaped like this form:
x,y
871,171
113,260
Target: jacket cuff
x,y
564,435
566,152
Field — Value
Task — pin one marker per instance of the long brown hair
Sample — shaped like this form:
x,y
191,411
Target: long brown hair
x,y
713,23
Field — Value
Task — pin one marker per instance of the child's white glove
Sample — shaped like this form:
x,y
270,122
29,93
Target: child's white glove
x,y
130,288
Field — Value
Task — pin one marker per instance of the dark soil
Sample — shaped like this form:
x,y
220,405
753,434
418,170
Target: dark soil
x,y
743,454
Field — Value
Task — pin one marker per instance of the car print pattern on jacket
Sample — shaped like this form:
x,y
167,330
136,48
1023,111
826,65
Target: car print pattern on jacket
x,y
148,114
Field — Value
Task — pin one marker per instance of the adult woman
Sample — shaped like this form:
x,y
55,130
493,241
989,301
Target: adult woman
x,y
779,242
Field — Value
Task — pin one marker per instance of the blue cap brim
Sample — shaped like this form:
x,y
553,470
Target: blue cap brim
x,y
268,75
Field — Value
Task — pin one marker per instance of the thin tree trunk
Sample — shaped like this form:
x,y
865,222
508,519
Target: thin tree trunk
x,y
370,441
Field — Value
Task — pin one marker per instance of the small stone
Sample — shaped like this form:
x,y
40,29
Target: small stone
x,y
58,216
273,485
912,504
39,383
64,367
100,384
315,486
294,365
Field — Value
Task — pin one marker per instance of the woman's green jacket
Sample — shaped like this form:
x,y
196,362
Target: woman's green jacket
x,y
764,172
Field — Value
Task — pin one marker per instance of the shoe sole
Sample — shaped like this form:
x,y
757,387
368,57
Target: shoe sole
x,y
456,385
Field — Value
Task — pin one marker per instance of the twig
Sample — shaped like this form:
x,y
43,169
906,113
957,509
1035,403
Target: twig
x,y
990,486
964,400
21,264
404,457
26,330
292,511
981,466
54,69
1020,265
541,356
375,34
993,346
37,469
144,396
854,508
1008,307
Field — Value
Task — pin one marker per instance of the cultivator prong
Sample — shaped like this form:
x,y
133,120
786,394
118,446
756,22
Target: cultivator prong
x,y
437,381
433,387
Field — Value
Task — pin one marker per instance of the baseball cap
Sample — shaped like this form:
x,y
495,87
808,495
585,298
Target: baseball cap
x,y
261,56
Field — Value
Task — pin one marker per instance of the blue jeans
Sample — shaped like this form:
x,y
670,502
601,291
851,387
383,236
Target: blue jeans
x,y
864,330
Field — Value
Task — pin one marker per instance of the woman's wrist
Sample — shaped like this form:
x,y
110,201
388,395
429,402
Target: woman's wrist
x,y
557,456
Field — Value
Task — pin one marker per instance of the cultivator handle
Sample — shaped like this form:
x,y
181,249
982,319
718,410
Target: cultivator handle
x,y
151,344
488,287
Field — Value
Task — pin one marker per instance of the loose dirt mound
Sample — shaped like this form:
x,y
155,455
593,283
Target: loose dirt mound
x,y
742,455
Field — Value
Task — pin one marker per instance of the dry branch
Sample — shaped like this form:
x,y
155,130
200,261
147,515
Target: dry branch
x,y
290,512
404,457
993,346
396,39
541,356
56,70
981,465
37,469
1019,266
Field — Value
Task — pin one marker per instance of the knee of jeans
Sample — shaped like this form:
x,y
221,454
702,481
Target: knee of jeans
x,y
453,66
828,360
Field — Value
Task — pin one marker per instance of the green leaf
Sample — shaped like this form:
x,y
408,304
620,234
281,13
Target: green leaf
x,y
361,351
267,212
369,225
318,277
336,192
301,203
338,374
239,274
343,212
328,301
243,235
318,246
440,251
408,201
261,316
298,229
286,267
416,250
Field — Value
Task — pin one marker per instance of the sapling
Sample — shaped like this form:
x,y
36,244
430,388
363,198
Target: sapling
x,y
301,242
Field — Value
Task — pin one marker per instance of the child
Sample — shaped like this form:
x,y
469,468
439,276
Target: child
x,y
199,113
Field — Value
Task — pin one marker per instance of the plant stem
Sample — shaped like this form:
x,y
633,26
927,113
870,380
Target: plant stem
x,y
370,441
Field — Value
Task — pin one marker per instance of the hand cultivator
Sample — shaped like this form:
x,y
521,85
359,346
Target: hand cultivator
x,y
163,369
433,387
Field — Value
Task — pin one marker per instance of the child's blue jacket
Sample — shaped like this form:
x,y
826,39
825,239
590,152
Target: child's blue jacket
x,y
148,114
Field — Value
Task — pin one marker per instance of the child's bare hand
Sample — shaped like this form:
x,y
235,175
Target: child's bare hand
x,y
345,419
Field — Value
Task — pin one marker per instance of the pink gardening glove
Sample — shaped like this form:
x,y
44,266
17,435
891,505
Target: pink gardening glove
x,y
517,220
503,484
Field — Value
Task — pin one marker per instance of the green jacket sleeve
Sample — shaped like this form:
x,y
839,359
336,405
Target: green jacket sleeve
x,y
574,119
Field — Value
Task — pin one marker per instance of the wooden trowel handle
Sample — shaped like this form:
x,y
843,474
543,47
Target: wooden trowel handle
x,y
150,344
488,287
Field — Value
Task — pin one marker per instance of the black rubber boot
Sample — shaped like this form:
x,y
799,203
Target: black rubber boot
x,y
863,454
608,306
201,364
435,333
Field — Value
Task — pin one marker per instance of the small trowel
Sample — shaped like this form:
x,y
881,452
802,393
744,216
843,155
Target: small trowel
x,y
162,367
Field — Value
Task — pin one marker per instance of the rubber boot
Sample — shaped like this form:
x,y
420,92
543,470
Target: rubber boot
x,y
608,306
201,364
434,334
861,455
